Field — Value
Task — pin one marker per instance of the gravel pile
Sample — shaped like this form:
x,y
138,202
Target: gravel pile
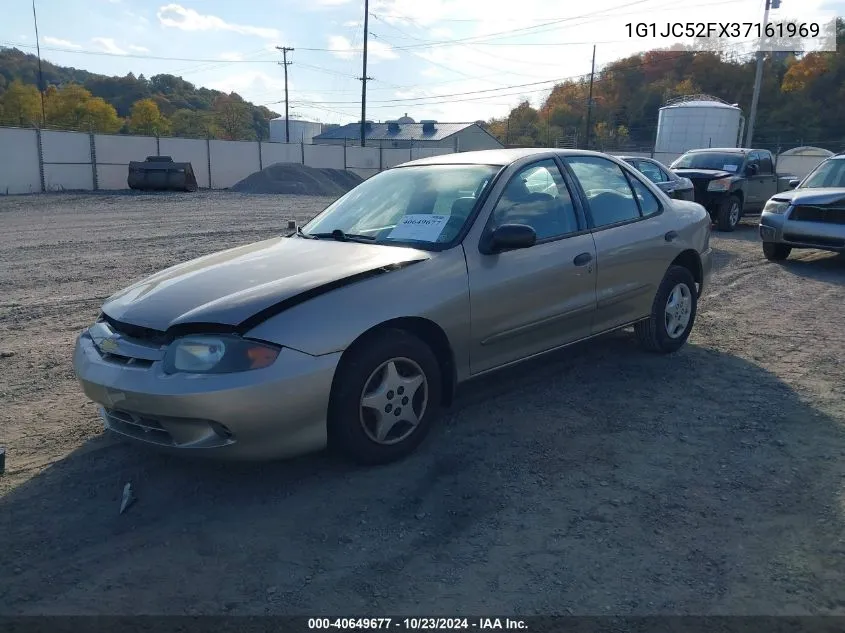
x,y
291,178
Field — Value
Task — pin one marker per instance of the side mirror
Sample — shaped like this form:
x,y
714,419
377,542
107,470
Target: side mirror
x,y
751,170
794,183
509,237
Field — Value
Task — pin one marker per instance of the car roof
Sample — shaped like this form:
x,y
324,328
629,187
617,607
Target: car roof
x,y
626,157
723,150
499,157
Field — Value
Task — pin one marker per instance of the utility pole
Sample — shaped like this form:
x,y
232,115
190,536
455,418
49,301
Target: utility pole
x,y
590,100
286,63
758,75
40,73
364,78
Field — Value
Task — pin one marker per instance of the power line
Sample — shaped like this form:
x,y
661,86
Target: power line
x,y
466,96
142,56
510,32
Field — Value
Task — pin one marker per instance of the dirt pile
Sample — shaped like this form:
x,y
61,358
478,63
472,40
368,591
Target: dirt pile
x,y
291,178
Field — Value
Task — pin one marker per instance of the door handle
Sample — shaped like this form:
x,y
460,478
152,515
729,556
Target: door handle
x,y
671,236
583,259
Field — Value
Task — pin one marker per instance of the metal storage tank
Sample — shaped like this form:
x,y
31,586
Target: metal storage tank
x,y
696,122
300,131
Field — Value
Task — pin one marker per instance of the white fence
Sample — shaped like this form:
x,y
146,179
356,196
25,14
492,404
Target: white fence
x,y
46,160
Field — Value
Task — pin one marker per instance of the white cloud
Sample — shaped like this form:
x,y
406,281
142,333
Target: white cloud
x,y
55,41
231,57
342,48
256,86
138,49
177,16
108,45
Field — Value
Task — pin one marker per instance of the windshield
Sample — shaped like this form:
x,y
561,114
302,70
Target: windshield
x,y
831,173
427,204
710,160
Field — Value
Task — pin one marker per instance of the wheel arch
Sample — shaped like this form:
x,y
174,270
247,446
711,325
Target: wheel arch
x,y
429,333
691,260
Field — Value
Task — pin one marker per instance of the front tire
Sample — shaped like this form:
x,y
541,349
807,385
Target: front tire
x,y
775,252
729,213
672,313
385,398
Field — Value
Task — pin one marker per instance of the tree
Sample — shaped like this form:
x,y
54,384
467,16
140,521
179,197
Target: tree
x,y
101,116
233,118
146,118
804,72
73,107
20,105
192,124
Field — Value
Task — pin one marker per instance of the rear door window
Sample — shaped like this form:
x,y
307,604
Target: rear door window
x,y
607,189
652,171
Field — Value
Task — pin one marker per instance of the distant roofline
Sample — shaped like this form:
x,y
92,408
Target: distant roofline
x,y
355,126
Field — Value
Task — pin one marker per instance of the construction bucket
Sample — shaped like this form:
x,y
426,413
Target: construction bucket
x,y
160,173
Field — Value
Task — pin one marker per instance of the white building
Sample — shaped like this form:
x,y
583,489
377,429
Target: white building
x,y
300,131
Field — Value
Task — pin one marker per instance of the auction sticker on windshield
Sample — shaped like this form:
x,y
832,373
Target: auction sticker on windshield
x,y
729,167
419,227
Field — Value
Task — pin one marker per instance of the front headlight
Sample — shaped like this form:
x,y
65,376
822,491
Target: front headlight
x,y
776,206
721,184
217,355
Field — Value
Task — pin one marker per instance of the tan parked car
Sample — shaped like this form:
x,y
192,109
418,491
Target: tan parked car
x,y
355,330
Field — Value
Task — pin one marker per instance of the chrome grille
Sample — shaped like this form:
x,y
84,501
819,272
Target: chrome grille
x,y
117,359
145,334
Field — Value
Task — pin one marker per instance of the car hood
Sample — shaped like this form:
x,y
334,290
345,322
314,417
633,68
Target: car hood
x,y
704,174
229,287
815,196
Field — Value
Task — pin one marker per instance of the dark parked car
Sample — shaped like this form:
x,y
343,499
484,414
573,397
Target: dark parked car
x,y
811,216
674,186
730,182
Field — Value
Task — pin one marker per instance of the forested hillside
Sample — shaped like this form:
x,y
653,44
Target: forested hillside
x,y
162,104
801,100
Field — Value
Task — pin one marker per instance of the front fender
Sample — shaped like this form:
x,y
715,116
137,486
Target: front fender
x,y
436,289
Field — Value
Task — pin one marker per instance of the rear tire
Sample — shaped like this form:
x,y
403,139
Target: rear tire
x,y
672,313
775,252
377,414
729,213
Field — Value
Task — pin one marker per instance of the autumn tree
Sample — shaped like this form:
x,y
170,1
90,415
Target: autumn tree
x,y
146,118
232,117
802,73
20,105
75,108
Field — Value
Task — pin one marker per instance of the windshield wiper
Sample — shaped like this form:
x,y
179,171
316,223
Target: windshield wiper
x,y
307,236
340,236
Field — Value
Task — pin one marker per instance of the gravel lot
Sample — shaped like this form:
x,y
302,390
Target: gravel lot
x,y
597,480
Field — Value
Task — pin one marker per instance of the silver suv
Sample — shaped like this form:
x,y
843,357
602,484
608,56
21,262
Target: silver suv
x,y
812,215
